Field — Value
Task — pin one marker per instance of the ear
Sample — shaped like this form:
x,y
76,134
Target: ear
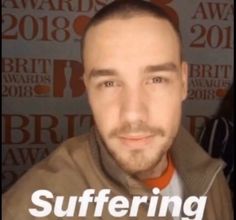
x,y
84,78
184,75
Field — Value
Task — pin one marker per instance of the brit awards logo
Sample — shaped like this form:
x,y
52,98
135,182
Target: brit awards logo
x,y
67,79
41,77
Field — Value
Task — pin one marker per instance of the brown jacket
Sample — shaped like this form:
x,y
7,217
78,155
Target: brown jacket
x,y
83,162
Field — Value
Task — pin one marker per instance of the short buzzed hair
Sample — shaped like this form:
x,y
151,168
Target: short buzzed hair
x,y
125,9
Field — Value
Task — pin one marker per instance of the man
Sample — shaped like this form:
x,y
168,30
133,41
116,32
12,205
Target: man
x,y
136,82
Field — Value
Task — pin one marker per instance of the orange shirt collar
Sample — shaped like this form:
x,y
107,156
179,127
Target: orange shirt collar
x,y
162,181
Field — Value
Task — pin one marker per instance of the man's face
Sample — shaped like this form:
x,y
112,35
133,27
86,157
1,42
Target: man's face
x,y
136,83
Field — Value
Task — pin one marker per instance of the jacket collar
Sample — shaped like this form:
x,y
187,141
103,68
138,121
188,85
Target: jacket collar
x,y
196,168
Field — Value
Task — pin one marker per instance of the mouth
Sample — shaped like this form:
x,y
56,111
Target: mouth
x,y
136,141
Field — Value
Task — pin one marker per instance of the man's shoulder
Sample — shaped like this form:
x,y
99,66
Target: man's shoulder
x,y
219,205
69,148
75,143
61,172
188,149
66,156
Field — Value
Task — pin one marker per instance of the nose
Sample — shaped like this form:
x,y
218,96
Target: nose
x,y
134,107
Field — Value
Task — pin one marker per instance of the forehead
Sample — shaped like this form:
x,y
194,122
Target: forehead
x,y
143,37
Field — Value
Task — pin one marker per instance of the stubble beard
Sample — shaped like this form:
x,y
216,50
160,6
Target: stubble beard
x,y
137,161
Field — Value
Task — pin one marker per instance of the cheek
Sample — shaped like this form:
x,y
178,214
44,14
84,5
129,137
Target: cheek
x,y
167,111
105,114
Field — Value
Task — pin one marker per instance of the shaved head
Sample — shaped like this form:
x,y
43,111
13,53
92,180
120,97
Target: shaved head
x,y
127,9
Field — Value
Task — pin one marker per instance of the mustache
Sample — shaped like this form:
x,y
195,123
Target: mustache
x,y
137,127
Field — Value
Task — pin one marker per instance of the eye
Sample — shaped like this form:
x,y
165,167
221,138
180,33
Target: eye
x,y
157,79
108,84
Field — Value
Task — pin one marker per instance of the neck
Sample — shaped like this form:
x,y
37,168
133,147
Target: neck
x,y
155,171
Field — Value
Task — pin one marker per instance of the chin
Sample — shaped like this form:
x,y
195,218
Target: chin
x,y
138,161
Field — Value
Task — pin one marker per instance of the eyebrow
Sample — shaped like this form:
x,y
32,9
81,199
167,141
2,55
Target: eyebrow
x,y
101,72
161,67
94,73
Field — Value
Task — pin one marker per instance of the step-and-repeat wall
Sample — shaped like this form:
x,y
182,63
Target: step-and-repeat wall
x,y
43,96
